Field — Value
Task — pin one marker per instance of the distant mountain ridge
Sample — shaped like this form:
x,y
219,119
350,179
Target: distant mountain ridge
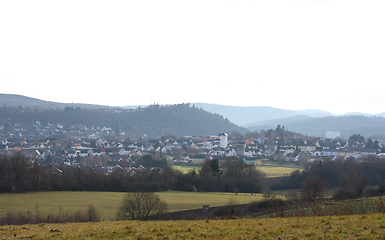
x,y
346,125
248,116
14,100
311,122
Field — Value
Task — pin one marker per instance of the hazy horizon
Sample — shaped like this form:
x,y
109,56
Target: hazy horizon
x,y
144,105
286,54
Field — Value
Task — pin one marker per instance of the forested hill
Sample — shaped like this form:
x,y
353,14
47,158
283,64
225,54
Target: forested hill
x,y
14,100
155,120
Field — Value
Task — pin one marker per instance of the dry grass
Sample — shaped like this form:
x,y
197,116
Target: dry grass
x,y
369,226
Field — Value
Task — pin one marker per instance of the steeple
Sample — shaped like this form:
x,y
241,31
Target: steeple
x,y
69,138
117,132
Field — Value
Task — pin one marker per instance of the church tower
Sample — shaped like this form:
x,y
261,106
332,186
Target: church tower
x,y
117,133
69,137
223,140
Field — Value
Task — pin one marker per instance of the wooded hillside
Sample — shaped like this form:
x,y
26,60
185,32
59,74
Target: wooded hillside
x,y
154,121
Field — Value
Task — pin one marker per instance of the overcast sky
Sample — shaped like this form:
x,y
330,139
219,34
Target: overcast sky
x,y
290,54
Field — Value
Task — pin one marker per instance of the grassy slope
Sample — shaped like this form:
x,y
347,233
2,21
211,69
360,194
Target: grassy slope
x,y
370,226
107,203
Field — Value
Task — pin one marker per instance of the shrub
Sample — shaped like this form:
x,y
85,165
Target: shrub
x,y
139,206
291,197
92,215
268,196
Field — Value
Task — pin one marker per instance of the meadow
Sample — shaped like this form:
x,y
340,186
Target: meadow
x,y
277,171
367,226
107,203
271,169
186,169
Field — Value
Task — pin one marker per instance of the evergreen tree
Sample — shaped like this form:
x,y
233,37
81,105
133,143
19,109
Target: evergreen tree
x,y
215,167
369,144
376,145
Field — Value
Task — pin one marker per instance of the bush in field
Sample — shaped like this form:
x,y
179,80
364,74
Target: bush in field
x,y
139,206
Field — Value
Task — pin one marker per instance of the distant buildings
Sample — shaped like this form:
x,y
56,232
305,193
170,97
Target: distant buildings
x,y
102,148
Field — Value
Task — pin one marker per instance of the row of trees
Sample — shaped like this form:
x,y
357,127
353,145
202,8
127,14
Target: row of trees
x,y
17,174
348,177
236,176
351,186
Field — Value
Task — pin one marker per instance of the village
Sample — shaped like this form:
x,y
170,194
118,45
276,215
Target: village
x,y
106,149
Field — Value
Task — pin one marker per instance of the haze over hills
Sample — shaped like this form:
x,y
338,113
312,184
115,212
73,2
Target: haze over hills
x,y
14,100
346,125
247,116
311,122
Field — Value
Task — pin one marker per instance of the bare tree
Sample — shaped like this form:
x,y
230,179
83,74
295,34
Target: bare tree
x,y
291,197
92,214
140,206
303,159
268,196
313,187
352,185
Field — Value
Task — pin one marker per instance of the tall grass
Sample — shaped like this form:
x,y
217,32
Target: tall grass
x,y
89,215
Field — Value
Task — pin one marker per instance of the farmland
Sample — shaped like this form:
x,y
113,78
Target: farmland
x,y
271,169
368,226
107,203
277,171
186,169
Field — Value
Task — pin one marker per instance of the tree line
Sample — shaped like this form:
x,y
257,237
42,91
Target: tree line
x,y
236,176
348,177
18,174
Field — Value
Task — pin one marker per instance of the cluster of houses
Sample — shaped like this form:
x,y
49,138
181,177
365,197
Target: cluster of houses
x,y
103,149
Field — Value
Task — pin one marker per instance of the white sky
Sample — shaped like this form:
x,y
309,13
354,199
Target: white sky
x,y
291,54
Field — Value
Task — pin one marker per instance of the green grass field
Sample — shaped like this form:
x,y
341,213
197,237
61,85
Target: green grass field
x,y
277,171
368,226
186,169
107,203
271,170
